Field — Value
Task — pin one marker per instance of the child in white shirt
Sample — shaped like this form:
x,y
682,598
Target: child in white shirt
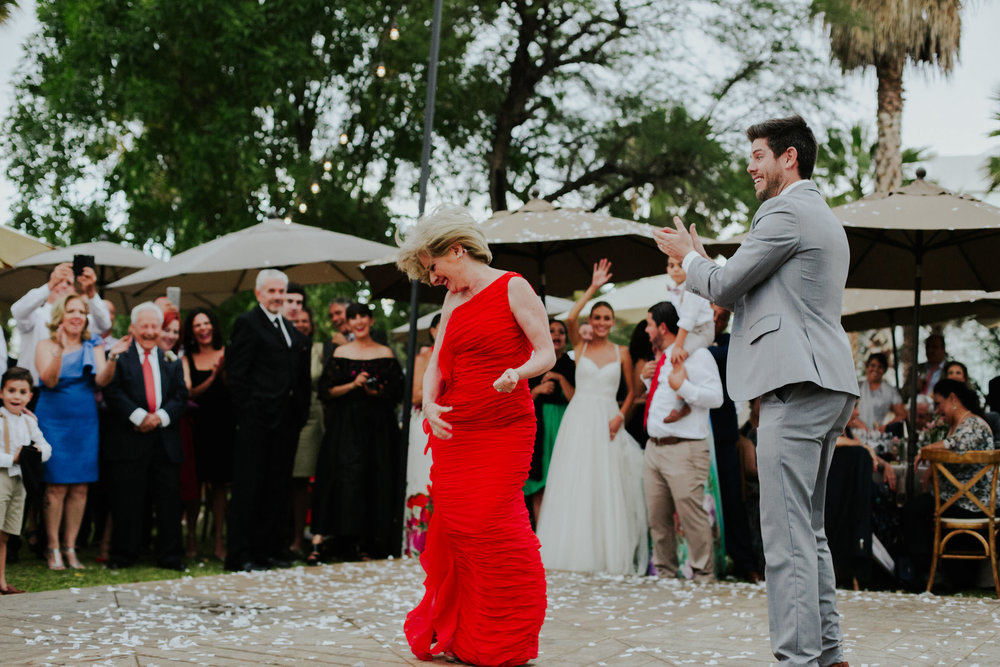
x,y
695,324
18,431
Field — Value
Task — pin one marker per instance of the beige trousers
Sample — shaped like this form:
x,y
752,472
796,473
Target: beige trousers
x,y
674,479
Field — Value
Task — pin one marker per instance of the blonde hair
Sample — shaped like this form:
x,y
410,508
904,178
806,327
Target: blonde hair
x,y
435,233
59,312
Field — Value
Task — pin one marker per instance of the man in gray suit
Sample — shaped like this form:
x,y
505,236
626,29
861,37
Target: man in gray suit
x,y
785,285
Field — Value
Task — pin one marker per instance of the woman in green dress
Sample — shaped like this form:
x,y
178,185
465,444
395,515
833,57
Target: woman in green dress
x,y
551,393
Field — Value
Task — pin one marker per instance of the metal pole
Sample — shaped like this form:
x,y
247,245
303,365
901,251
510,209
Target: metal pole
x,y
910,451
425,159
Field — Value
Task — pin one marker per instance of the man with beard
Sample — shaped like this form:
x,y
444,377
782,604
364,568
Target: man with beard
x,y
267,363
785,286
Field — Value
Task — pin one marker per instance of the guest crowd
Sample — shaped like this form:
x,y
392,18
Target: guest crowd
x,y
290,449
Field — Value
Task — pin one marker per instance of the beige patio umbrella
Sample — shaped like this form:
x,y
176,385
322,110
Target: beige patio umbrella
x,y
113,261
554,248
922,236
214,271
875,309
15,245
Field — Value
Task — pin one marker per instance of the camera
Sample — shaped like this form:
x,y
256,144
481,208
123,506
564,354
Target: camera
x,y
371,382
80,262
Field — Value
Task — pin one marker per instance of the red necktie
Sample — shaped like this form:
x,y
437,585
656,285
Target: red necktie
x,y
653,385
147,377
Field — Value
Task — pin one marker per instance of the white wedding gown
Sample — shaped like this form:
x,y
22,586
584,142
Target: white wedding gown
x,y
593,515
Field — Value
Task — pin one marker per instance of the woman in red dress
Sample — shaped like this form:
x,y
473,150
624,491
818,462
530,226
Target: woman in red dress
x,y
485,589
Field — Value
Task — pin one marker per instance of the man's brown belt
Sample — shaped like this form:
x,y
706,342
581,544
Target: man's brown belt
x,y
669,440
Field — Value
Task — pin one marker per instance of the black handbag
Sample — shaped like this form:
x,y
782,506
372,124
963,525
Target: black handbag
x,y
30,461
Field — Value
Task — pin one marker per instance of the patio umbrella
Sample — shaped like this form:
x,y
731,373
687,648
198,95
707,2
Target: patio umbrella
x,y
216,270
874,308
553,306
921,236
555,249
113,261
15,245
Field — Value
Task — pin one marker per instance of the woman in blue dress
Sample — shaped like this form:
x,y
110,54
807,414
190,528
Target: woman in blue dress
x,y
71,365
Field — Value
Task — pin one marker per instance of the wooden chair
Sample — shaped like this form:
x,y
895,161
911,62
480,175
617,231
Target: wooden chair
x,y
945,528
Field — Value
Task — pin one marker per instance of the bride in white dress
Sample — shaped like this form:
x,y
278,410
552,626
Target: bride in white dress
x,y
593,516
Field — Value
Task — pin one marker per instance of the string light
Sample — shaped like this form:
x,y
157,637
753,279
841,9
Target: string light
x,y
327,166
315,188
343,139
380,71
288,220
394,32
303,208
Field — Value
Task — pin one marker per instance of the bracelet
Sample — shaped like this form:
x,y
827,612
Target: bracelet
x,y
114,357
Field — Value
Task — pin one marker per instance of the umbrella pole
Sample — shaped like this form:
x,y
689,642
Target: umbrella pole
x,y
425,158
895,355
541,279
911,445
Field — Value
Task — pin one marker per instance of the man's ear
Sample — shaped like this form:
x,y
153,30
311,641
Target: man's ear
x,y
790,157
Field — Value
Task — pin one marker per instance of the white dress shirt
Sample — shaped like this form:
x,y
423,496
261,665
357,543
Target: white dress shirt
x,y
23,431
3,353
33,315
280,321
701,390
140,413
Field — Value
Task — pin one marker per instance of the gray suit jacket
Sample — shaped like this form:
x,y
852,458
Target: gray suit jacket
x,y
785,286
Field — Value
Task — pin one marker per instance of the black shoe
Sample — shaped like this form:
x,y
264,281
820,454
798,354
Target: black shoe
x,y
315,557
248,566
276,562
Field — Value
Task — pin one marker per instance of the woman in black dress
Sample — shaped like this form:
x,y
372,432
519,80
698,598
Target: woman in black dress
x,y
214,421
357,495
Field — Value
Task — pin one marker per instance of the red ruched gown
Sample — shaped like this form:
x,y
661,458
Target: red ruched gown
x,y
485,587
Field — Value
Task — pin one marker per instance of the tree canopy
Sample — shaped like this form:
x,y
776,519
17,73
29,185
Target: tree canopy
x,y
170,123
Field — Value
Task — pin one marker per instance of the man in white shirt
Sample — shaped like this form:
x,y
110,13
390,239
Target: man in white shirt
x,y
677,460
33,311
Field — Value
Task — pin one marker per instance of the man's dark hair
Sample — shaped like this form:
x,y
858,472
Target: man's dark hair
x,y
784,133
15,373
436,320
665,313
295,288
187,331
340,300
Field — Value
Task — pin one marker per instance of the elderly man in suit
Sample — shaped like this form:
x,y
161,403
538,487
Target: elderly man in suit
x,y
785,285
267,367
143,449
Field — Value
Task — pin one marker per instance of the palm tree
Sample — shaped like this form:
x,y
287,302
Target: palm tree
x,y
6,7
886,34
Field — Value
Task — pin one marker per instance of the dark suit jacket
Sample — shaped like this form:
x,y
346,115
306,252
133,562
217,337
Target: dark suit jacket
x,y
267,378
127,392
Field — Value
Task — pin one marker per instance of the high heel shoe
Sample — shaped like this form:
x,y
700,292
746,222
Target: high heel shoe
x,y
55,561
72,560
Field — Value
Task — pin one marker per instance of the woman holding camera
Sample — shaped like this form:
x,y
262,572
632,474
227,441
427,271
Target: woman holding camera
x,y
357,494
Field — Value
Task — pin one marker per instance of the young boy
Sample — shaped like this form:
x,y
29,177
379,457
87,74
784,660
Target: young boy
x,y
17,432
695,325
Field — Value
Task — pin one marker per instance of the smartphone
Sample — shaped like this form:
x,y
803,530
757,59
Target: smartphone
x,y
80,262
174,296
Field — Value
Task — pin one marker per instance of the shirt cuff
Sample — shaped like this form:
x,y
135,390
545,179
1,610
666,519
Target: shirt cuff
x,y
684,390
164,418
137,416
688,258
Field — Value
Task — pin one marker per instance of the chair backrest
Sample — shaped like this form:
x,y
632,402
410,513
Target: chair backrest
x,y
941,459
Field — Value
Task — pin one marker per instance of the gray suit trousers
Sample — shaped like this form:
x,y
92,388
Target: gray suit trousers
x,y
799,425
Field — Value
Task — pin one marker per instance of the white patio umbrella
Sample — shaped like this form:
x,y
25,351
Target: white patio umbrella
x,y
15,246
216,270
113,261
554,248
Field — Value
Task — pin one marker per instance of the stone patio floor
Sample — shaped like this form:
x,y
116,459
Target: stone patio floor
x,y
352,614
